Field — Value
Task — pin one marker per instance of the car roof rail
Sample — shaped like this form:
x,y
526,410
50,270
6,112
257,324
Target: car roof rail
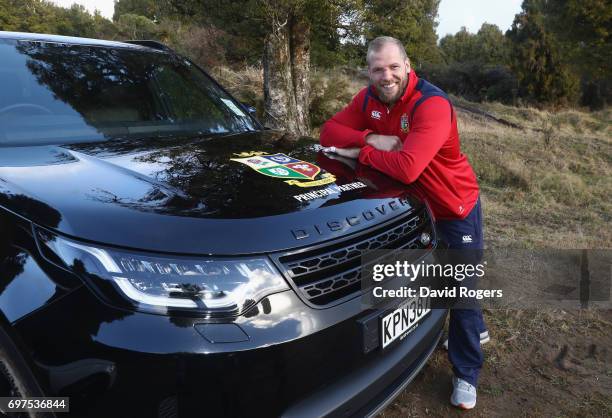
x,y
151,44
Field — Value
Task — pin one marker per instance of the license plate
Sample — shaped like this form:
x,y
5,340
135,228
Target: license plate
x,y
403,319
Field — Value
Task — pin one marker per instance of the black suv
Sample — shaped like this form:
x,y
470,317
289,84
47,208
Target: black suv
x,y
163,254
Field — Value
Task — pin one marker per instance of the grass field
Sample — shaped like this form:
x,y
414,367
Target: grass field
x,y
546,182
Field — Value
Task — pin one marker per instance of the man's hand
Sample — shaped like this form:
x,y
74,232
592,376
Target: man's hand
x,y
347,161
384,142
348,152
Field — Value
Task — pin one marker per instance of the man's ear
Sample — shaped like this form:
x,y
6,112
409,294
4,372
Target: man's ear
x,y
408,64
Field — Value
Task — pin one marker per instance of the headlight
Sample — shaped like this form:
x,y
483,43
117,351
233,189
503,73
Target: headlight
x,y
159,283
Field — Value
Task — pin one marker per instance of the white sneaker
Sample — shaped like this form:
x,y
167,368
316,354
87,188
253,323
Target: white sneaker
x,y
464,394
484,338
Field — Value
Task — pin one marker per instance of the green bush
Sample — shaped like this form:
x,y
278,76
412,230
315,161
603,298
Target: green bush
x,y
473,81
330,91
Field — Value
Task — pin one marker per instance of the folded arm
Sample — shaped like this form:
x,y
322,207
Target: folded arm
x,y
430,129
347,128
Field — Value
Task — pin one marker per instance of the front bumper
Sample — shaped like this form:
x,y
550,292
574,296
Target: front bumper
x,y
294,361
367,391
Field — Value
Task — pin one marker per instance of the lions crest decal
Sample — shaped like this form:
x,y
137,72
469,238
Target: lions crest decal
x,y
404,125
295,172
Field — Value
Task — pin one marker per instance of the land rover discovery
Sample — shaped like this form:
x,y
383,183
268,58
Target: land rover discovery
x,y
163,254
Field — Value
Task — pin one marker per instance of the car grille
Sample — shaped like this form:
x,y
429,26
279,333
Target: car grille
x,y
329,274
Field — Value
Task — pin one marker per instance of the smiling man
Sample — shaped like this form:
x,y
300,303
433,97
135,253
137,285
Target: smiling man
x,y
406,127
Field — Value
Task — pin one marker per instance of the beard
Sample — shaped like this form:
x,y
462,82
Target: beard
x,y
391,98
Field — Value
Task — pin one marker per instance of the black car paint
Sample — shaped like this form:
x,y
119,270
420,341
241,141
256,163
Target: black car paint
x,y
166,194
184,195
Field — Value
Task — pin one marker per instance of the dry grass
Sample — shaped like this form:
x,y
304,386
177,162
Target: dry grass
x,y
331,90
245,84
546,185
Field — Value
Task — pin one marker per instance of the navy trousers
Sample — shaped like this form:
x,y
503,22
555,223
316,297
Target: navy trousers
x,y
465,325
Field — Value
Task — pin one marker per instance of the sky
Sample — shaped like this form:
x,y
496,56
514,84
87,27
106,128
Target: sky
x,y
106,7
452,14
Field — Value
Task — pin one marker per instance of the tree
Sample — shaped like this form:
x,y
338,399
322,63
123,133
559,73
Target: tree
x,y
477,65
487,47
133,26
583,30
542,74
283,29
492,46
146,8
7,17
103,28
413,22
44,17
75,21
287,51
286,61
27,16
460,47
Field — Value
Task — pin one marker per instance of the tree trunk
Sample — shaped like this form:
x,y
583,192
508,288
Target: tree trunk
x,y
279,100
300,71
286,63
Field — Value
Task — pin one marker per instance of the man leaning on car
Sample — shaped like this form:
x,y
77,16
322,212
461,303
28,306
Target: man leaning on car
x,y
406,127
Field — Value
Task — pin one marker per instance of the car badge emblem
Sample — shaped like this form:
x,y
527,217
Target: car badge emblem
x,y
404,123
295,172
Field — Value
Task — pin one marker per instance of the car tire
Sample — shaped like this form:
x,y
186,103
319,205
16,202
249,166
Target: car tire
x,y
16,378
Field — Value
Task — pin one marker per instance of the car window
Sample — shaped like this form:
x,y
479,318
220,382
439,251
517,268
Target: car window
x,y
55,93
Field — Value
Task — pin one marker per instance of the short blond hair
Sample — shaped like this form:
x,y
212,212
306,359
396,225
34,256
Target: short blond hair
x,y
376,45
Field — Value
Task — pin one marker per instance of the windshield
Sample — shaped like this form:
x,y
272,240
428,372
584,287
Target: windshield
x,y
56,93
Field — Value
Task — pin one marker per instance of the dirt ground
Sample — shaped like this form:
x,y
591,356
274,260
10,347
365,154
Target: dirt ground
x,y
552,363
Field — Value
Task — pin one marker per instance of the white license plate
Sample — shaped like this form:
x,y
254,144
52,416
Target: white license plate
x,y
402,320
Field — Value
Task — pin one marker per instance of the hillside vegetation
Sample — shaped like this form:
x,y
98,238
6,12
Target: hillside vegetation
x,y
547,183
546,176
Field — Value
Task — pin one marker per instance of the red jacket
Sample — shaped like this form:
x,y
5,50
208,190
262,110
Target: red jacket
x,y
424,120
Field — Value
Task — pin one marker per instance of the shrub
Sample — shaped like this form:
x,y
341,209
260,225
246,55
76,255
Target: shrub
x,y
331,90
199,43
473,81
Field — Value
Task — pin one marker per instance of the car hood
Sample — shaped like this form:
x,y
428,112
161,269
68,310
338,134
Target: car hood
x,y
200,195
